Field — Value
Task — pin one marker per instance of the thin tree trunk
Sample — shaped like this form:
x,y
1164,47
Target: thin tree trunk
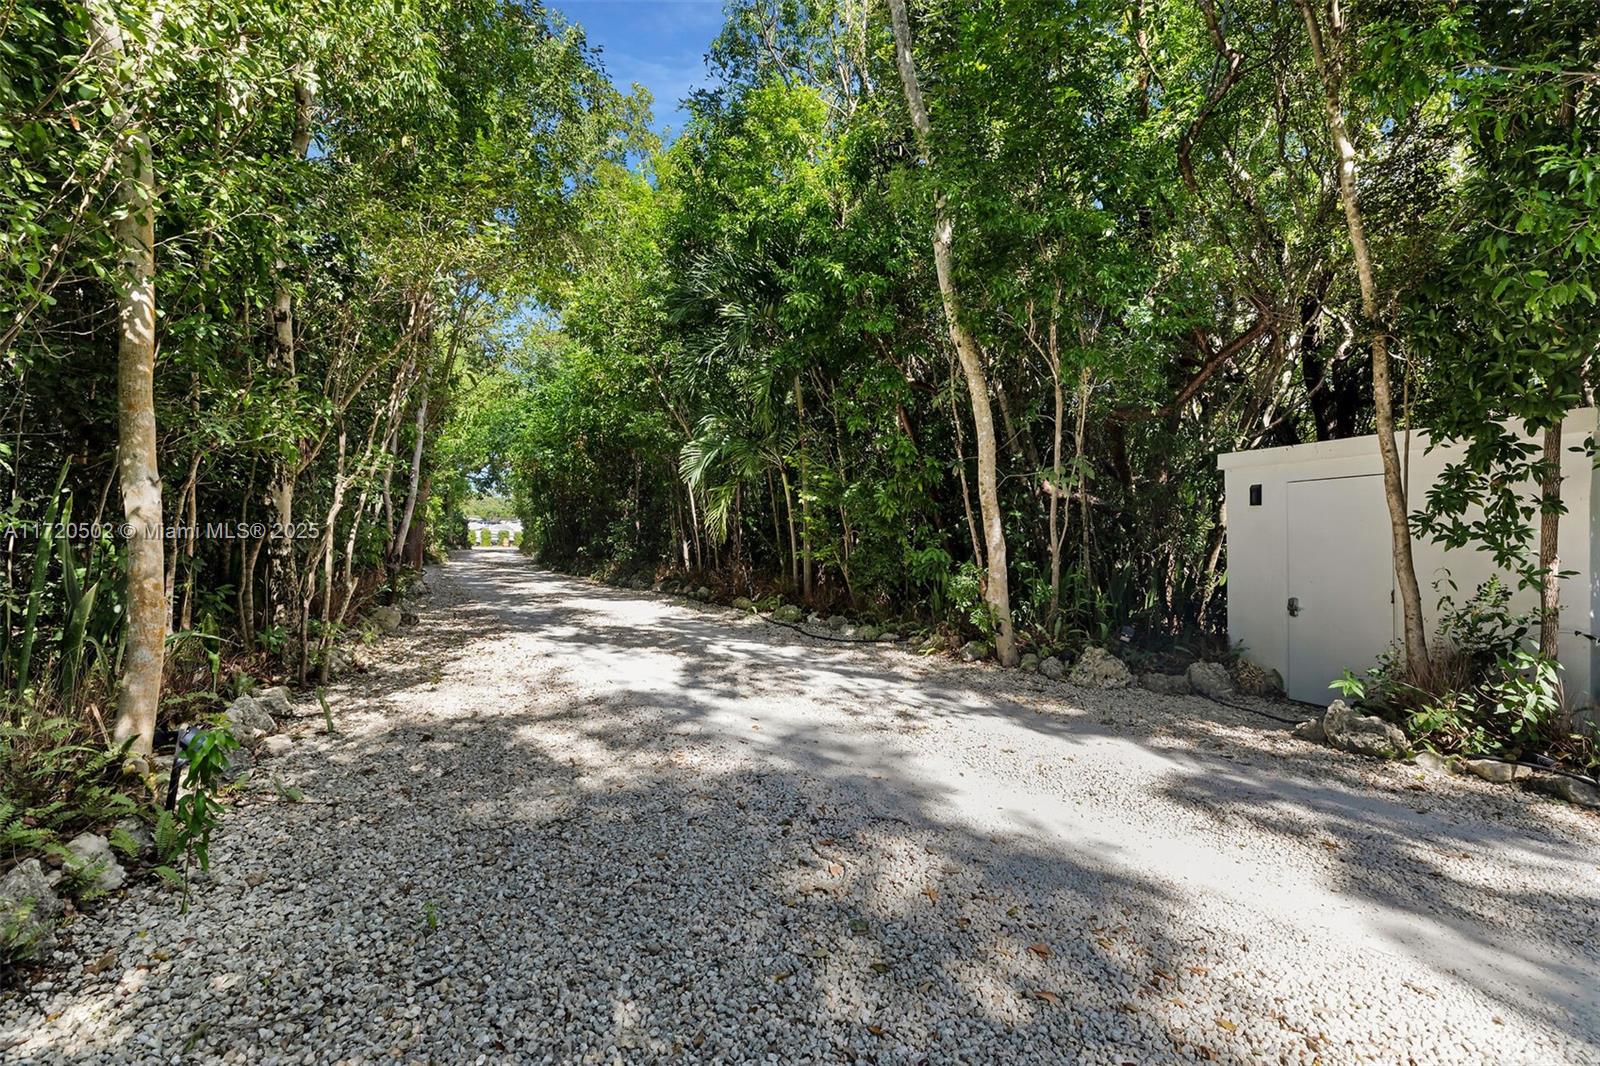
x,y
139,694
794,551
1416,639
961,475
397,549
185,503
997,589
808,584
1549,560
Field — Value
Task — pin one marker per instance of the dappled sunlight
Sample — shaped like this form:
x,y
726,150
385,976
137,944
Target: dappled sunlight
x,y
710,842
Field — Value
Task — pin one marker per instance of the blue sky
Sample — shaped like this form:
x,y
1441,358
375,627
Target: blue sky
x,y
661,44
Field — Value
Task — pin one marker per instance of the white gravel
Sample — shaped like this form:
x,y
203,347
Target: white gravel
x,y
567,823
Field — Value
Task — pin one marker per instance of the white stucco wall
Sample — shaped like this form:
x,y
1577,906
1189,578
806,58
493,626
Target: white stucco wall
x,y
1261,557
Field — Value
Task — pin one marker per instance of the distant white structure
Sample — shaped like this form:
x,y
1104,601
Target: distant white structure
x,y
495,526
1310,574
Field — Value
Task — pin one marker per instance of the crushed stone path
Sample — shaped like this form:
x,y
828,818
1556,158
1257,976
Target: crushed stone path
x,y
566,823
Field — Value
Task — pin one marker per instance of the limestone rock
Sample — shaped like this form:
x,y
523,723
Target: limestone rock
x,y
974,651
248,720
29,909
132,833
788,613
277,745
1496,772
276,701
1578,792
1098,668
1363,734
93,851
1210,679
1438,764
838,621
703,594
887,637
1166,684
1030,662
867,633
743,603
1052,668
1256,680
386,618
1311,731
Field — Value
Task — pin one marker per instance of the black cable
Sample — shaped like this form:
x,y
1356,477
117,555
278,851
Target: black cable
x,y
818,636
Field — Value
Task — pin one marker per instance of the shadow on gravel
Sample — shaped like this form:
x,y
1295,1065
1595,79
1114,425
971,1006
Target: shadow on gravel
x,y
459,884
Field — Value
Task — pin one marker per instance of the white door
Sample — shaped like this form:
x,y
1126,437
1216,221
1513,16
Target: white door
x,y
1341,611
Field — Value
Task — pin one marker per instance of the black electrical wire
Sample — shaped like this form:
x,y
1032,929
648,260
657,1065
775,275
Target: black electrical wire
x,y
819,636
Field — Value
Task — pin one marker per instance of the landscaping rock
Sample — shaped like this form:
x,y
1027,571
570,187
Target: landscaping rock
x,y
743,603
1098,668
1496,772
248,721
1052,668
137,834
240,762
276,701
867,633
1311,731
1211,680
1166,684
788,613
90,851
703,594
1584,795
838,621
888,638
29,910
1256,680
974,651
1363,734
386,618
1438,764
1030,662
277,745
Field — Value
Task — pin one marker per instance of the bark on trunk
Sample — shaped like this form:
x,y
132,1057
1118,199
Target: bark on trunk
x,y
997,589
1549,560
281,577
139,693
1416,639
397,549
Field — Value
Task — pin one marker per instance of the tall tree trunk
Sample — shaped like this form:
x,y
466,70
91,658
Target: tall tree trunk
x,y
281,577
808,579
139,694
997,590
1416,638
397,549
1549,560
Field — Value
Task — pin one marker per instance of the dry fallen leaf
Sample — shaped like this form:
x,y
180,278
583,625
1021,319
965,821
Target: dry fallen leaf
x,y
835,869
875,1030
1048,997
932,894
1041,950
1199,971
1226,1024
784,976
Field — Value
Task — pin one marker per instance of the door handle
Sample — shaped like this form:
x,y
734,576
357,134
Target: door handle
x,y
1294,606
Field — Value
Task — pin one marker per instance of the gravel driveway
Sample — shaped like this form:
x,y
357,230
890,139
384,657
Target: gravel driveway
x,y
562,822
